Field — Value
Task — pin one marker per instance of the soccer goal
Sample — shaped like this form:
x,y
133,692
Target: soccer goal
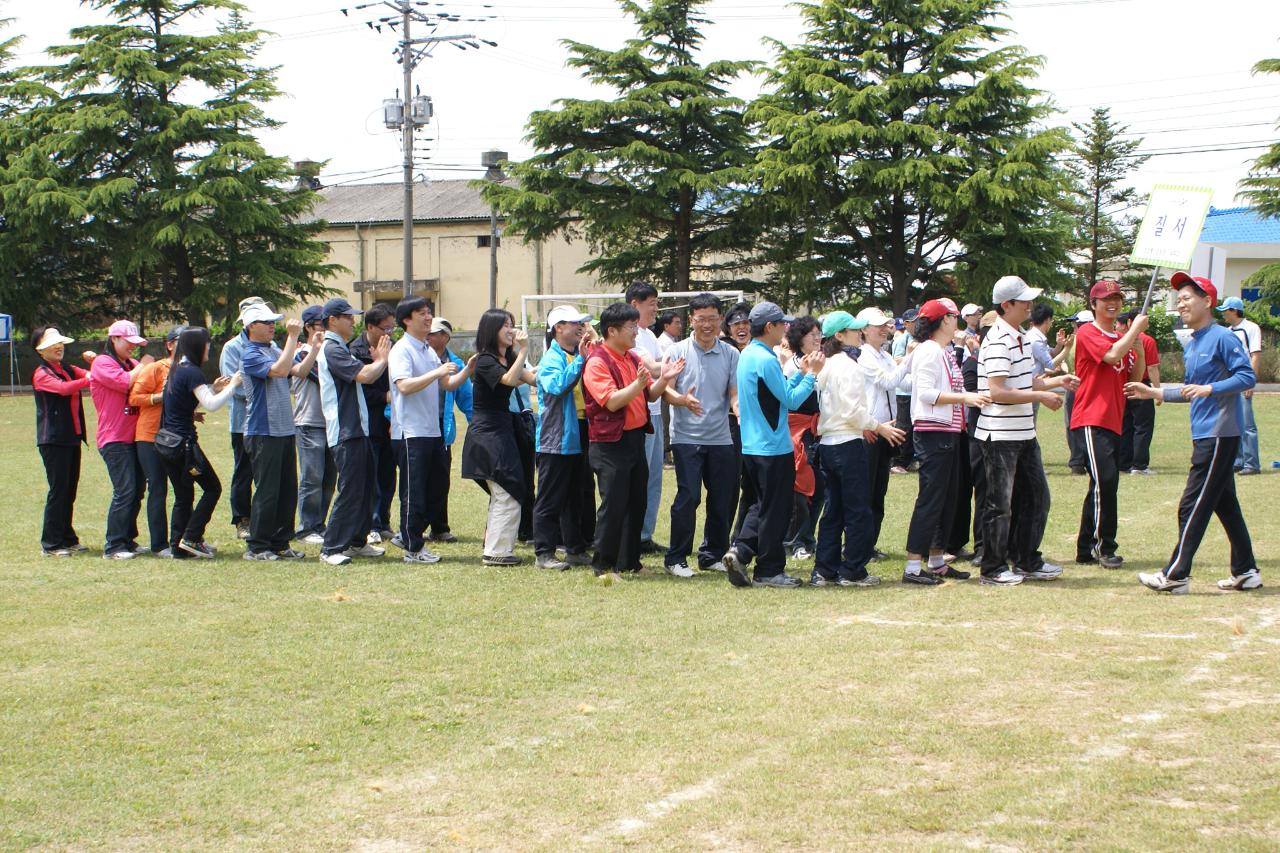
x,y
534,309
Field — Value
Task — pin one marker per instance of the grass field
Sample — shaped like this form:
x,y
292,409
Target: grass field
x,y
154,705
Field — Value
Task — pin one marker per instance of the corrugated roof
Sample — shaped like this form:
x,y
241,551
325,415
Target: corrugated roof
x,y
1239,225
436,201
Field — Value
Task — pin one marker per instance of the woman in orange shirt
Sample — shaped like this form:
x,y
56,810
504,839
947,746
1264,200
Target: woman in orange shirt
x,y
147,393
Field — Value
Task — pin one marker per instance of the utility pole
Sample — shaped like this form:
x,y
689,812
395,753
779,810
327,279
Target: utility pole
x,y
492,161
414,110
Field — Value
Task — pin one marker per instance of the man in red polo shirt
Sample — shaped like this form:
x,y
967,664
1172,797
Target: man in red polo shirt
x,y
1105,361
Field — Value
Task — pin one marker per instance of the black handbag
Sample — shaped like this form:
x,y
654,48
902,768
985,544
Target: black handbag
x,y
171,446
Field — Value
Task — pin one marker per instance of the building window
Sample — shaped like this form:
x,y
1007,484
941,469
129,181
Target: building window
x,y
482,242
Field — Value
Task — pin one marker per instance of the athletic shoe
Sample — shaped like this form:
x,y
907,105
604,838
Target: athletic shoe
x,y
802,553
681,570
582,558
1004,578
441,537
1161,582
1078,471
1249,472
290,554
242,530
549,561
195,549
77,548
717,566
56,552
1111,561
736,568
313,538
507,560
423,556
924,577
951,572
397,540
1046,572
374,538
263,556
167,553
365,550
1247,581
648,546
1143,472
335,559
140,551
877,555
866,580
897,469
816,579
962,554
782,580
119,555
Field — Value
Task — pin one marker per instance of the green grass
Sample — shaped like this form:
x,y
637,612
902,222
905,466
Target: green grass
x,y
155,705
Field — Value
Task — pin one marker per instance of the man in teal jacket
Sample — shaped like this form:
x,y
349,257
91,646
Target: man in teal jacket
x,y
764,398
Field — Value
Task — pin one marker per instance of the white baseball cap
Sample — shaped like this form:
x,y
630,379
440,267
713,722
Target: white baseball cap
x,y
970,309
1085,316
1013,287
874,316
566,314
259,313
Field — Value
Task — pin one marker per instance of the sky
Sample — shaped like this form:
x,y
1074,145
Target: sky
x,y
1177,73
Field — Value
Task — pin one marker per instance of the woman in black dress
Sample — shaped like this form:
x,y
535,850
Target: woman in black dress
x,y
186,390
490,455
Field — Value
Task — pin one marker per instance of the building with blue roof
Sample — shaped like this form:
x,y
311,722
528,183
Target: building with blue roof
x,y
1234,244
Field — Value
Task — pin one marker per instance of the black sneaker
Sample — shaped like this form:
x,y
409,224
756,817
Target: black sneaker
x,y
442,537
877,555
736,568
821,580
648,546
196,549
782,580
1111,561
508,560
924,578
583,559
951,572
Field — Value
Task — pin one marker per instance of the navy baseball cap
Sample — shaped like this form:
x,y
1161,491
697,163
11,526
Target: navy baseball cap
x,y
312,314
910,315
335,307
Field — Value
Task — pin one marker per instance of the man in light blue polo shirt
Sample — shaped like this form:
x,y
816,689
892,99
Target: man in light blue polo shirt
x,y
764,398
701,398
418,382
240,494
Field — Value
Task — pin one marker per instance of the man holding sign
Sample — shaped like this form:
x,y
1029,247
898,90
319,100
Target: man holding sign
x,y
1218,373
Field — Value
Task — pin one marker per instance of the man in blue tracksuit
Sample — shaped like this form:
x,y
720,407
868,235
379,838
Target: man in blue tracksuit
x,y
764,398
1218,372
557,512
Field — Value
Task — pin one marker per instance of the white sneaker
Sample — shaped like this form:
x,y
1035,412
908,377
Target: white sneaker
x,y
1160,582
423,556
1247,581
681,570
1046,572
1005,578
717,566
314,539
374,538
119,555
397,540
335,559
365,550
802,553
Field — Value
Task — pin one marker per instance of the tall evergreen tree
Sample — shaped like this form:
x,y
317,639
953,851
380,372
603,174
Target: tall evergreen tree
x,y
1262,190
167,190
651,177
917,138
1105,232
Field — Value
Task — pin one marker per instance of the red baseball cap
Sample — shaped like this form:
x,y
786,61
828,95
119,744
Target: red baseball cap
x,y
1105,289
1199,282
936,309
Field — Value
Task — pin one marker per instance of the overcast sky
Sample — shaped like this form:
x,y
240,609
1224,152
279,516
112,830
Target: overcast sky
x,y
1177,72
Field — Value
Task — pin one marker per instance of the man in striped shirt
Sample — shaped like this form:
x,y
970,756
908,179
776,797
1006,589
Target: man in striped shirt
x,y
1006,433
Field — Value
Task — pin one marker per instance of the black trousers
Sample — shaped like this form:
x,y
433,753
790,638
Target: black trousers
x,y
879,460
586,488
126,495
424,469
558,507
1139,427
701,466
274,462
807,509
525,444
965,516
156,474
440,522
352,513
1014,476
622,472
978,477
384,481
1075,442
746,492
62,470
189,522
241,496
936,501
1098,515
773,479
906,452
1211,490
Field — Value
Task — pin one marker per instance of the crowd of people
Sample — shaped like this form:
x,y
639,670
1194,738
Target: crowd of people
x,y
789,429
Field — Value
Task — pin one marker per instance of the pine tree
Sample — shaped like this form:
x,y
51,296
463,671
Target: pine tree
x,y
1262,190
652,177
916,140
1104,233
167,191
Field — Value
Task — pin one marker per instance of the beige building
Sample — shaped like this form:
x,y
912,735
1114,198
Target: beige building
x,y
450,250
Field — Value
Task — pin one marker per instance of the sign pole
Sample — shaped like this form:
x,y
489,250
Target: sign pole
x,y
1146,303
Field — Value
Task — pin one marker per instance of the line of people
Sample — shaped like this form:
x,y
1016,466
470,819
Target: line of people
x,y
789,426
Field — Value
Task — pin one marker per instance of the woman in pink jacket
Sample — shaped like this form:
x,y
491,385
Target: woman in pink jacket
x,y
60,431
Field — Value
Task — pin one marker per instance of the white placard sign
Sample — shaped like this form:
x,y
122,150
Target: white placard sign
x,y
1171,227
